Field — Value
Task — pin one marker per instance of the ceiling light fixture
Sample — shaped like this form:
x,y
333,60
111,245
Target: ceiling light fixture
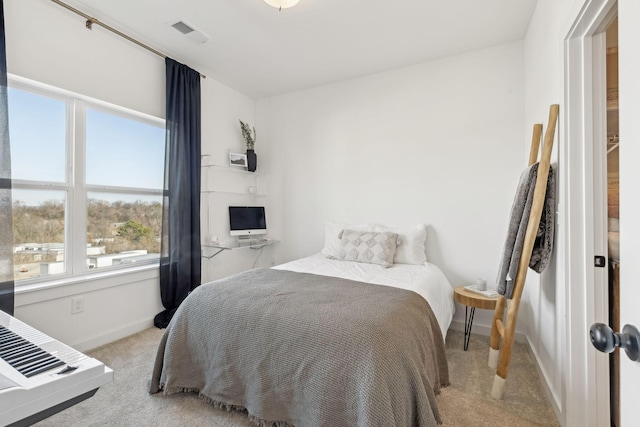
x,y
281,4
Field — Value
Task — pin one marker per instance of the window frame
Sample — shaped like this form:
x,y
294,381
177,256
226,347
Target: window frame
x,y
75,185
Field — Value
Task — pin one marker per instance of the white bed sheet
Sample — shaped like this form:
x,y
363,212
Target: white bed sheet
x,y
426,280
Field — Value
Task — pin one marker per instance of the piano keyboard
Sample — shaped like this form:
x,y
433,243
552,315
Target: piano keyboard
x,y
40,376
23,356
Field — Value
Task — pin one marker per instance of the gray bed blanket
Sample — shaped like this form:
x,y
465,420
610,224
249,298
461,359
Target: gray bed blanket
x,y
514,243
306,350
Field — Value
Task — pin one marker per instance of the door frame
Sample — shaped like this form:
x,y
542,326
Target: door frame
x,y
586,391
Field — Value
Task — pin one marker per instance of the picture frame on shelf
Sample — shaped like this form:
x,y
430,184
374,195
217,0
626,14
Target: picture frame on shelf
x,y
237,159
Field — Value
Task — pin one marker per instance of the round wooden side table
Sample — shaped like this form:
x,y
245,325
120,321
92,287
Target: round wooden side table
x,y
472,300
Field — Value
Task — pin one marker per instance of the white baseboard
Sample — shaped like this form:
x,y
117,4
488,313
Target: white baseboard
x,y
551,396
112,336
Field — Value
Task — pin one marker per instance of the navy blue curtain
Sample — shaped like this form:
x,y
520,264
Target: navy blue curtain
x,y
180,258
6,223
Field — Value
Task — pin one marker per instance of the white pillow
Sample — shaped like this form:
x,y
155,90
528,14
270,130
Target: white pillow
x,y
411,246
370,247
332,231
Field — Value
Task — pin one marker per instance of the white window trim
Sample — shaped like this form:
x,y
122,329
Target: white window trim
x,y
75,212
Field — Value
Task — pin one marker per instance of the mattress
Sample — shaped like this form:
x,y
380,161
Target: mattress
x,y
426,280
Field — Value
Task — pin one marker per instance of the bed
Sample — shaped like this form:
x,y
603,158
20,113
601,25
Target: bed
x,y
318,341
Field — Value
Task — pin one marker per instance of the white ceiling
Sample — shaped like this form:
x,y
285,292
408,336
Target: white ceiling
x,y
261,52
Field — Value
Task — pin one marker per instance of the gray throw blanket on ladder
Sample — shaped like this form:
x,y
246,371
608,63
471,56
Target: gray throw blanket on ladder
x,y
520,211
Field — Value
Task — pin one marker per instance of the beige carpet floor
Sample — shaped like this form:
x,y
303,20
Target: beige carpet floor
x,y
466,402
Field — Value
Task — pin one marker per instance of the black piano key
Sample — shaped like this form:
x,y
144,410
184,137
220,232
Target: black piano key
x,y
38,364
9,340
44,369
7,347
17,349
44,361
10,345
11,357
5,336
24,356
6,333
29,359
17,357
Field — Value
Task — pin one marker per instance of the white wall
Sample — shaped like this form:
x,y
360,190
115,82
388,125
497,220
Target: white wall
x,y
542,307
223,185
49,44
550,305
439,142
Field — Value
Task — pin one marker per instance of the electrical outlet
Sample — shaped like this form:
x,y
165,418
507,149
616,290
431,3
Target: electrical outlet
x,y
77,305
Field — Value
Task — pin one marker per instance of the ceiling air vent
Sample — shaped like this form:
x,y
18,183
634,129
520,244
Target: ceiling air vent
x,y
190,31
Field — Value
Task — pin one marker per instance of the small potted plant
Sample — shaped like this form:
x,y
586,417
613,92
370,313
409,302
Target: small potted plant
x,y
249,136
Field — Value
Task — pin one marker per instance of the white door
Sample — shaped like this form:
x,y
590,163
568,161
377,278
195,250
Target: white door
x,y
586,400
629,84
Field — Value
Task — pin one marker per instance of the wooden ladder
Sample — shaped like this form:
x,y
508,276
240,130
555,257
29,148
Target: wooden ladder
x,y
500,360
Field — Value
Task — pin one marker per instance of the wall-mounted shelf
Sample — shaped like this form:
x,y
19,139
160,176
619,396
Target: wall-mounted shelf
x,y
220,179
231,169
246,193
224,185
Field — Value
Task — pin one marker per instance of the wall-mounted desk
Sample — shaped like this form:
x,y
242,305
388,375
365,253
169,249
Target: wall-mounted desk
x,y
218,247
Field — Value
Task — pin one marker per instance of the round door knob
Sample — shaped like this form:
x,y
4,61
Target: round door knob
x,y
605,340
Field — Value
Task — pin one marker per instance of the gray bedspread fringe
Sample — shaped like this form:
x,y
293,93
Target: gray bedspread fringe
x,y
520,212
241,409
226,406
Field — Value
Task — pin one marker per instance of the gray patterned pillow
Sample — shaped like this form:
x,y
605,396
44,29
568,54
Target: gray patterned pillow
x,y
368,246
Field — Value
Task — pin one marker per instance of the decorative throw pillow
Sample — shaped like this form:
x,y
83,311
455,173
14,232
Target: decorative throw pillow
x,y
368,246
411,244
332,232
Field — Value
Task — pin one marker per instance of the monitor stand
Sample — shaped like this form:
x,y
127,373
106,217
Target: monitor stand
x,y
252,238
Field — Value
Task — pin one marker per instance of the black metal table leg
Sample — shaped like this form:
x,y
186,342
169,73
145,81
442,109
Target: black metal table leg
x,y
468,322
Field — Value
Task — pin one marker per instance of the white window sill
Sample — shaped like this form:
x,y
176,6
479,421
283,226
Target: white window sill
x,y
60,288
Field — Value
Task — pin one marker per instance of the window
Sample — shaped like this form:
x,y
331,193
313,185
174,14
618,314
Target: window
x,y
87,183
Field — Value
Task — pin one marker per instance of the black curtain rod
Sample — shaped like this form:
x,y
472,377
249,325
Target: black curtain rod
x,y
91,20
